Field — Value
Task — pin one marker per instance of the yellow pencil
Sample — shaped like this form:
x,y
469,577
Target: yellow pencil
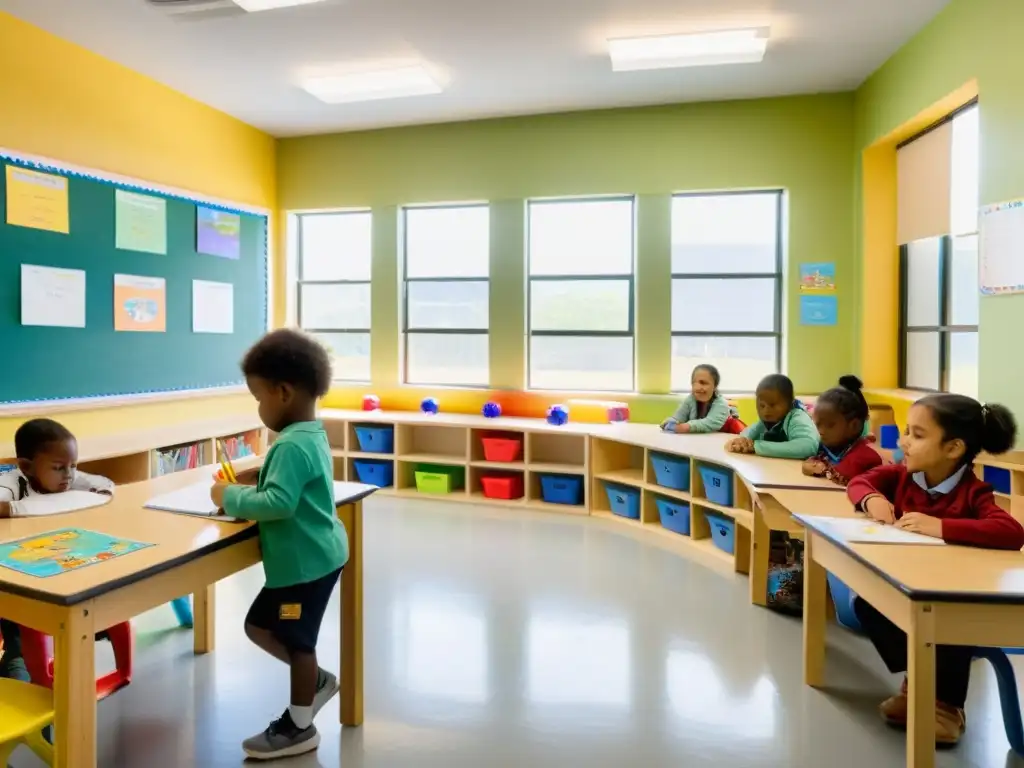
x,y
225,464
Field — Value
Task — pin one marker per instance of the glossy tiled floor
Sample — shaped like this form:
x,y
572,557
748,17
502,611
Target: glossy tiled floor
x,y
512,639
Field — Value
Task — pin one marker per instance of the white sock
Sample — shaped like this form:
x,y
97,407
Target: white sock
x,y
301,716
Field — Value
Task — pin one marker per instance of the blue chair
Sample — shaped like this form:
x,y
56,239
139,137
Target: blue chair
x,y
183,611
1009,699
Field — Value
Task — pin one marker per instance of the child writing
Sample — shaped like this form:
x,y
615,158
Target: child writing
x,y
704,409
841,414
304,545
785,431
935,493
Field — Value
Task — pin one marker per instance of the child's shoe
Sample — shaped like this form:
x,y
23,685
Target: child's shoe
x,y
950,724
894,709
281,739
327,688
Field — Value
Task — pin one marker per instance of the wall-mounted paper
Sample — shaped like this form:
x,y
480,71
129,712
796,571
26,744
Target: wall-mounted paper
x,y
141,222
218,233
52,297
819,310
37,200
213,307
140,303
818,277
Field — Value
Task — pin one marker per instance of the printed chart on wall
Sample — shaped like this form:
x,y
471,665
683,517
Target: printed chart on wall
x,y
140,303
37,200
141,222
60,551
52,297
213,307
1001,249
218,233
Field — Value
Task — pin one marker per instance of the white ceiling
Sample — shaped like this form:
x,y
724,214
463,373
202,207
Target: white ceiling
x,y
496,57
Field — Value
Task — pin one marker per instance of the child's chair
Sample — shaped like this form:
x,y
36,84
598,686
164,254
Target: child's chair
x,y
183,611
37,649
25,710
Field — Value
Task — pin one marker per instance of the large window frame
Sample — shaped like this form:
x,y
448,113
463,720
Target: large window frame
x,y
777,275
301,282
630,279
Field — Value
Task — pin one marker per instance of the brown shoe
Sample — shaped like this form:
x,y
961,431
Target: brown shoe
x,y
894,709
950,724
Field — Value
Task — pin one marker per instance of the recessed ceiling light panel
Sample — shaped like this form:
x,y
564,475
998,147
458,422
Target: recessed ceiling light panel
x,y
372,86
732,46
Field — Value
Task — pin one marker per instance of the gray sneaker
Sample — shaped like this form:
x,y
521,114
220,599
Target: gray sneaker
x,y
326,689
281,739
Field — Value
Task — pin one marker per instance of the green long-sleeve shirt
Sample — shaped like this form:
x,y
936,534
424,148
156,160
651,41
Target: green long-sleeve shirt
x,y
300,534
713,421
795,437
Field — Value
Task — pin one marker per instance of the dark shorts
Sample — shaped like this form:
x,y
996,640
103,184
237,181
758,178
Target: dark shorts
x,y
294,614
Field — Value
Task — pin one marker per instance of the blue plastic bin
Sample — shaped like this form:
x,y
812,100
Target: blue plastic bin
x,y
723,532
717,485
675,515
562,489
998,478
889,436
671,471
625,501
379,473
843,597
376,439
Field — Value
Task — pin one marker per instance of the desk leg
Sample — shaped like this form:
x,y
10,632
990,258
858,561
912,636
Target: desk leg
x,y
815,616
760,549
921,689
204,612
351,695
74,689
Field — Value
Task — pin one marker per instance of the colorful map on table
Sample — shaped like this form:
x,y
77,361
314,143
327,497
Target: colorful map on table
x,y
67,549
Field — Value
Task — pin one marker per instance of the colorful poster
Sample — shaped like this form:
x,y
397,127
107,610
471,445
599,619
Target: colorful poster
x,y
52,297
140,303
818,310
37,200
819,277
67,549
218,233
213,307
141,222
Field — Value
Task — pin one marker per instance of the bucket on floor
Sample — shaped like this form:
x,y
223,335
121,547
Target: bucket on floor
x,y
675,515
502,486
717,485
723,531
379,473
843,598
998,478
624,501
376,439
671,471
561,489
502,449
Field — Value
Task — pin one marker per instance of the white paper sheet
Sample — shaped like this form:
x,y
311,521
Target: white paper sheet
x,y
195,499
862,531
213,307
52,296
45,504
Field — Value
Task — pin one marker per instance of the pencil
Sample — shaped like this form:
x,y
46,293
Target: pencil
x,y
225,464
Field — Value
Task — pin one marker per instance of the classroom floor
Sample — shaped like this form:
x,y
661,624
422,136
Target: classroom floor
x,y
511,639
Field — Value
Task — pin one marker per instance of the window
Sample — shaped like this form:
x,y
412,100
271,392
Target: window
x,y
335,253
727,286
580,302
446,314
939,261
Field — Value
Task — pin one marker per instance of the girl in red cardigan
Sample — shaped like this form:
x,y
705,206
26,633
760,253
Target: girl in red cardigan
x,y
936,493
844,452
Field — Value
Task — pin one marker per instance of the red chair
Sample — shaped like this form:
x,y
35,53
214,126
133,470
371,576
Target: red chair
x,y
37,649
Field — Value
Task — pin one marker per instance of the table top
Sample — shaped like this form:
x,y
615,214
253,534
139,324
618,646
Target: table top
x,y
812,502
949,574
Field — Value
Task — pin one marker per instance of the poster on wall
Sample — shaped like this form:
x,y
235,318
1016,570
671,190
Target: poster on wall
x,y
1001,249
140,303
52,297
141,222
819,310
218,233
818,277
213,307
37,200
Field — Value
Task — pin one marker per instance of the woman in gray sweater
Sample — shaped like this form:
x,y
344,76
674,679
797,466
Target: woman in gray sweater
x,y
704,409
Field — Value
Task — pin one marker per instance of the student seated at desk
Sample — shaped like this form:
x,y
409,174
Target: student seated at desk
x,y
705,409
936,493
841,416
785,430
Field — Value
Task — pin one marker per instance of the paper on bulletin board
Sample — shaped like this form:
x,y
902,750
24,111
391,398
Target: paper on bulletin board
x,y
52,297
141,222
213,307
818,277
37,200
819,310
140,303
1001,248
218,233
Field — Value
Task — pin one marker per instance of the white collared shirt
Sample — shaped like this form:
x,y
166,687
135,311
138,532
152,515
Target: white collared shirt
x,y
26,502
946,486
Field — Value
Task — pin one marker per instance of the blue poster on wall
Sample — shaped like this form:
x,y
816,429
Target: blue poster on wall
x,y
819,310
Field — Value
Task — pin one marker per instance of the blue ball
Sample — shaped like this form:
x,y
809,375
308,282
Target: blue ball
x,y
430,405
491,410
558,415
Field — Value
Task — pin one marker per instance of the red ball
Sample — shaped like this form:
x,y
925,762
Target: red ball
x,y
371,403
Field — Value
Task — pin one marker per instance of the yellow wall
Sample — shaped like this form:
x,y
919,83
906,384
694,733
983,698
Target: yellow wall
x,y
61,101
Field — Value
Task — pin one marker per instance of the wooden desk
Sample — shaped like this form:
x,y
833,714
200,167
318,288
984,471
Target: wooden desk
x,y
191,555
937,595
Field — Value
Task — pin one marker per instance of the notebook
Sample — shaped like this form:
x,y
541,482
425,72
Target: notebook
x,y
862,531
195,499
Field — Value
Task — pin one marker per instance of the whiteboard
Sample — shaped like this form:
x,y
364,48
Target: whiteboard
x,y
1001,249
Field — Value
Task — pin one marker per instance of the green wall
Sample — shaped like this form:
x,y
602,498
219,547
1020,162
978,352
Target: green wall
x,y
801,144
970,39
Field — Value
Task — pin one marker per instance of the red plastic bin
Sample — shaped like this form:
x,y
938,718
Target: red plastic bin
x,y
502,448
510,487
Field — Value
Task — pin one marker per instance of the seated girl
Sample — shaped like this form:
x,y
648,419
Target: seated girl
x,y
785,430
936,493
704,409
841,415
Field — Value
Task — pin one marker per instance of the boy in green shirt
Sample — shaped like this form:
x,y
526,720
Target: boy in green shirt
x,y
304,544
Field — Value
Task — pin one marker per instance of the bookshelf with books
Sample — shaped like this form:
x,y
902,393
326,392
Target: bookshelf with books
x,y
178,458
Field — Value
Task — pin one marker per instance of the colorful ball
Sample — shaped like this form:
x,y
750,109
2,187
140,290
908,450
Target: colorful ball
x,y
371,403
430,405
558,415
491,410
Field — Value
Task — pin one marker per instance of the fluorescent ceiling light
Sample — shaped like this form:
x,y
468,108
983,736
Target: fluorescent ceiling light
x,y
733,46
268,5
370,86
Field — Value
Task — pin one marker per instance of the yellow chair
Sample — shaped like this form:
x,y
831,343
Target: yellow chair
x,y
25,710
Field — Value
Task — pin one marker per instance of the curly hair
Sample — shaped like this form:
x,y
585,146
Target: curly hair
x,y
287,356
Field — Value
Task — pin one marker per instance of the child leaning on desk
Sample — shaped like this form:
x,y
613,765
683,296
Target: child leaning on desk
x,y
785,430
936,493
841,417
705,409
304,544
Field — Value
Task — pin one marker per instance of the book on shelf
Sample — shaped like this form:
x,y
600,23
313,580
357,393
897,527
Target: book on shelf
x,y
179,458
240,446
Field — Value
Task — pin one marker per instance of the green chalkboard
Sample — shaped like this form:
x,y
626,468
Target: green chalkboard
x,y
44,363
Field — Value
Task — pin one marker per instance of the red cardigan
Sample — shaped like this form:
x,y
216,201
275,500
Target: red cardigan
x,y
859,459
969,512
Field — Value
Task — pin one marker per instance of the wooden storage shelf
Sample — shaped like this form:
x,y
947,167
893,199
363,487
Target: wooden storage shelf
x,y
607,514
557,469
631,477
439,443
432,458
535,496
374,456
512,466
